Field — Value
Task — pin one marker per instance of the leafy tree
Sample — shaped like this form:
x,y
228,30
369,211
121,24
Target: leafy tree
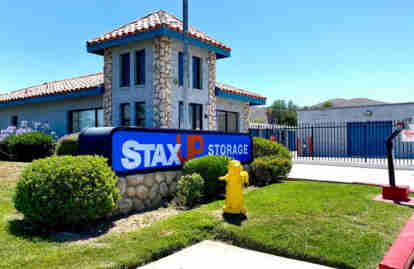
x,y
281,113
327,104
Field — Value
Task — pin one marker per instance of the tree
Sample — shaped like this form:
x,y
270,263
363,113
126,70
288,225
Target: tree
x,y
324,105
327,104
281,113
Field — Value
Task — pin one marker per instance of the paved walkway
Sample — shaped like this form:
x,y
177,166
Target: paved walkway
x,y
211,254
350,174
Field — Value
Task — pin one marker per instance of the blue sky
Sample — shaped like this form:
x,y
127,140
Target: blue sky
x,y
306,51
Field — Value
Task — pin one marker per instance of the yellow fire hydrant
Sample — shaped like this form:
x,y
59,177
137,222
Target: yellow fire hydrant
x,y
236,178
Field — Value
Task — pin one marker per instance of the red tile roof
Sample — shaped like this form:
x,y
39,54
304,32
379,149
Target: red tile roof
x,y
234,90
87,82
154,21
56,87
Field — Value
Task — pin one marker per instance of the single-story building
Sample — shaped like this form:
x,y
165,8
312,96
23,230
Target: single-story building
x,y
141,85
354,131
372,113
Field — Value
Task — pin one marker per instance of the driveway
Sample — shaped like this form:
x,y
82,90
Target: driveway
x,y
212,254
345,174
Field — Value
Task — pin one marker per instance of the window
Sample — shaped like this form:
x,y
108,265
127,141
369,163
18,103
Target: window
x,y
81,119
14,121
227,121
195,112
180,115
196,116
125,70
140,67
125,114
197,78
140,114
180,69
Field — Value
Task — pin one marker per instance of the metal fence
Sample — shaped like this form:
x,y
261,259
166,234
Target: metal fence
x,y
339,142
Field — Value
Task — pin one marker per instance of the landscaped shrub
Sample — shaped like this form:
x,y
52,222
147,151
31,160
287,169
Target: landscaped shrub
x,y
27,127
210,167
4,156
264,147
60,191
265,170
68,145
27,147
189,190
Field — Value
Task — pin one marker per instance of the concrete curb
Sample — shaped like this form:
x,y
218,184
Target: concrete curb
x,y
401,253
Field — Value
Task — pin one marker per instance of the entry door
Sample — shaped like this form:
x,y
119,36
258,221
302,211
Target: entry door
x,y
368,139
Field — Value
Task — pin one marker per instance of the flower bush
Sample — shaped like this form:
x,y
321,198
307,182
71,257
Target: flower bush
x,y
30,140
27,127
27,147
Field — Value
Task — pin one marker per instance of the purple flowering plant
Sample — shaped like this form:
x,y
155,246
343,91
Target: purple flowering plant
x,y
27,127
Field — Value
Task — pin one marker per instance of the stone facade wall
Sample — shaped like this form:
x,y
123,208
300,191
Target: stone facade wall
x,y
145,191
211,108
245,118
162,83
107,96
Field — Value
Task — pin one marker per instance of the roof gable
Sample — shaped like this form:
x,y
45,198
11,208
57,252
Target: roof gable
x,y
153,23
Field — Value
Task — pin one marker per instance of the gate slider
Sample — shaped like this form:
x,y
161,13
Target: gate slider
x,y
393,192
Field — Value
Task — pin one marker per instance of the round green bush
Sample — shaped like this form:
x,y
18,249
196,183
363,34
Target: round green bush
x,y
264,147
190,190
268,169
211,168
30,146
4,156
68,145
63,191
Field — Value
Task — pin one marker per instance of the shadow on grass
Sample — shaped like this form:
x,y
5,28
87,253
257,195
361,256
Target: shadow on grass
x,y
235,219
29,231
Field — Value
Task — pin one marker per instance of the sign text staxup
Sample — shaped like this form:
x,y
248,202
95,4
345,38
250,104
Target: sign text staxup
x,y
133,150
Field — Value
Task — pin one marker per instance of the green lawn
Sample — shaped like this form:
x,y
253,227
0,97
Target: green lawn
x,y
332,224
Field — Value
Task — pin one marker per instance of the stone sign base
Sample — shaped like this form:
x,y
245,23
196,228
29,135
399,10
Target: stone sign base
x,y
145,191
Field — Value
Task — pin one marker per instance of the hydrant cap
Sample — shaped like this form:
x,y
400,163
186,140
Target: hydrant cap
x,y
234,163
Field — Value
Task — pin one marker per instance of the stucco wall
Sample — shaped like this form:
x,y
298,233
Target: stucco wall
x,y
133,93
144,93
56,113
379,113
233,106
199,96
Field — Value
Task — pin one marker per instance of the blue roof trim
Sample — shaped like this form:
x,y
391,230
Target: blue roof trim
x,y
247,99
98,48
57,97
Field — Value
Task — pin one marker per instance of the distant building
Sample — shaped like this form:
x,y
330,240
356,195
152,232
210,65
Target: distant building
x,y
356,131
379,112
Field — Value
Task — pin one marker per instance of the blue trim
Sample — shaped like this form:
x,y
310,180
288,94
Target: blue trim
x,y
247,99
57,97
98,48
180,69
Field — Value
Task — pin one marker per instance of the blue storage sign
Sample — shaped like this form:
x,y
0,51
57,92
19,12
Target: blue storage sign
x,y
132,150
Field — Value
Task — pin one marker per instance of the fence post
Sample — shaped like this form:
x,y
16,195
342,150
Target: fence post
x,y
311,143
